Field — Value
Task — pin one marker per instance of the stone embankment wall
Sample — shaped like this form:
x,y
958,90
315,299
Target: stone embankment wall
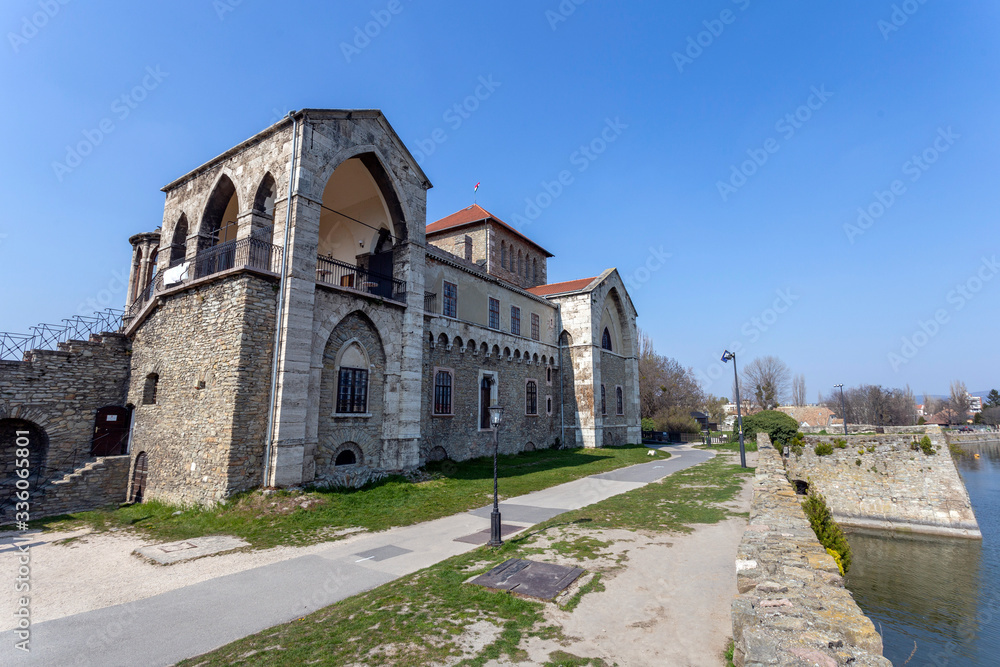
x,y
854,429
792,607
972,438
880,481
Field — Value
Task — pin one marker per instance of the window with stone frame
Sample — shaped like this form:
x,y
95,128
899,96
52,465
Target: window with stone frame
x,y
450,300
548,405
548,375
503,254
620,401
531,398
149,389
515,320
352,391
442,393
494,313
536,329
606,340
604,402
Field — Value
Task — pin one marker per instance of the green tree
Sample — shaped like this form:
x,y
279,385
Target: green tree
x,y
993,399
781,427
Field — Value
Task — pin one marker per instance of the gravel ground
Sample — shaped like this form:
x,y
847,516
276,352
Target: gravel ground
x,y
82,571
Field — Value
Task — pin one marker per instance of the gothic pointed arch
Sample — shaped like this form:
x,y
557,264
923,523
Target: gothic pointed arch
x,y
178,241
263,200
219,220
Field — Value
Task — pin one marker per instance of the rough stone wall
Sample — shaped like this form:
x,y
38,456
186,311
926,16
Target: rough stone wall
x,y
792,607
879,481
211,347
854,429
61,391
971,438
614,373
461,350
99,483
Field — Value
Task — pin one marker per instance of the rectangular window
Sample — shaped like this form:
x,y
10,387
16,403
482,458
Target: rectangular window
x,y
515,320
442,393
450,300
535,328
494,313
531,398
352,391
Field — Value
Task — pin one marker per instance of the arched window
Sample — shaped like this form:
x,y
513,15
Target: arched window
x,y
606,340
620,400
503,254
149,389
520,263
442,393
178,242
345,458
352,380
604,404
534,270
139,472
531,398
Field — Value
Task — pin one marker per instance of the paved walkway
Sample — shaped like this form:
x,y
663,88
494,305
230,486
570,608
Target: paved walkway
x,y
189,621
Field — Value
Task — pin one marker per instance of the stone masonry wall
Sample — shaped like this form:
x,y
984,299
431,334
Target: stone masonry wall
x,y
792,607
880,481
459,434
211,347
99,483
60,391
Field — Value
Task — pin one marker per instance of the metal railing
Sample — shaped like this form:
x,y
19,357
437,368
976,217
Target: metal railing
x,y
46,336
248,253
332,271
430,302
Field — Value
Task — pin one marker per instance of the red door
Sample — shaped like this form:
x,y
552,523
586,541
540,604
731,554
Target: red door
x,y
110,431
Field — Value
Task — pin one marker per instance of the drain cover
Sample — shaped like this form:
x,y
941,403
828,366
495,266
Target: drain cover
x,y
530,578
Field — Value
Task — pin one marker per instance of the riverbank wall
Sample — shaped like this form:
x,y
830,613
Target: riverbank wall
x,y
887,482
792,607
972,438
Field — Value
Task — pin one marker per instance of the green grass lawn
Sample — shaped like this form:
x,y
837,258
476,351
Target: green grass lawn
x,y
423,618
309,516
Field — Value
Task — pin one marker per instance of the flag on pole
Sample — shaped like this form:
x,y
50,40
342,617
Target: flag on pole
x,y
476,189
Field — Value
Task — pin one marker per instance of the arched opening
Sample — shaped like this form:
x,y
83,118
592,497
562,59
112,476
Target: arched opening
x,y
437,453
520,264
263,200
178,241
345,458
503,254
606,340
360,224
21,439
139,478
149,389
218,228
534,271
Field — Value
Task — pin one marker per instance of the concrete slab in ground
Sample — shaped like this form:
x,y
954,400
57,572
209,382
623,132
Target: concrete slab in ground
x,y
382,553
196,547
530,578
483,536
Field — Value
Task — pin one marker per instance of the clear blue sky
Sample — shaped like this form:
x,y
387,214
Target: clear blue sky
x,y
227,69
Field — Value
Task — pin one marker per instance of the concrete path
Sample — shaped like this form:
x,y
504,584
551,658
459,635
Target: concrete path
x,y
189,621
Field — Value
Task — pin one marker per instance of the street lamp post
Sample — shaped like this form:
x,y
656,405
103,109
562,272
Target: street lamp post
x,y
726,356
496,416
843,410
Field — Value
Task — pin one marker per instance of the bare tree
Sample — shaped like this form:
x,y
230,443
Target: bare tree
x,y
665,386
767,379
799,390
876,405
959,403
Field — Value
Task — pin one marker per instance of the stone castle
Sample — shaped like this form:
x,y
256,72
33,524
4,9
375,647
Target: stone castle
x,y
295,320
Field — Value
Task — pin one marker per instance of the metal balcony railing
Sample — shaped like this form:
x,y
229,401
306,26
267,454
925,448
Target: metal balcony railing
x,y
331,271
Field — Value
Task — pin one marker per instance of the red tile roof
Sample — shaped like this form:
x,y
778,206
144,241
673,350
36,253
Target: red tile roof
x,y
561,288
473,214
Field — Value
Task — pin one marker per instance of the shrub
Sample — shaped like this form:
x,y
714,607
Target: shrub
x,y
926,446
796,444
857,462
648,424
827,530
840,443
676,420
781,427
823,449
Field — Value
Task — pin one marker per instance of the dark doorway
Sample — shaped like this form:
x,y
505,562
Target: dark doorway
x,y
380,266
485,402
19,437
110,431
139,478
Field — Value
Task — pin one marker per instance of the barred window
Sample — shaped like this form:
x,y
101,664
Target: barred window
x,y
535,328
621,400
494,313
515,320
531,398
442,393
352,391
450,300
604,404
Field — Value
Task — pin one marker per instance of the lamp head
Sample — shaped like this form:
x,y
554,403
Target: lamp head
x,y
727,355
496,416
